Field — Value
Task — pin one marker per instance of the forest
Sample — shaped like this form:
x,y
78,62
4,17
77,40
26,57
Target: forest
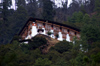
x,y
78,14
81,14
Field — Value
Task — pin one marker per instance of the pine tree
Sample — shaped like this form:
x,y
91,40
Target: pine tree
x,y
20,3
32,8
48,12
97,5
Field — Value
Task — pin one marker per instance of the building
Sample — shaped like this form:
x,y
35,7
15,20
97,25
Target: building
x,y
55,30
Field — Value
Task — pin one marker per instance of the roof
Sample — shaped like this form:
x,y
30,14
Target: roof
x,y
34,19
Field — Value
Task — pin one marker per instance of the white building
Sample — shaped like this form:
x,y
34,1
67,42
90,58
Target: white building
x,y
38,26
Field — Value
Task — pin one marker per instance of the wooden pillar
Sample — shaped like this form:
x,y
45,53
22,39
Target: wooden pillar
x,y
60,29
52,26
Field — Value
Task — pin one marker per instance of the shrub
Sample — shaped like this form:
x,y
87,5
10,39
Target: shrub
x,y
42,62
49,33
63,46
37,42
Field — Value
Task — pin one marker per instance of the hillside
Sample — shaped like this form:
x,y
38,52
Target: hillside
x,y
54,53
50,42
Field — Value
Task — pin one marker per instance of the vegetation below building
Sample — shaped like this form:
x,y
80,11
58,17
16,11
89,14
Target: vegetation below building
x,y
61,53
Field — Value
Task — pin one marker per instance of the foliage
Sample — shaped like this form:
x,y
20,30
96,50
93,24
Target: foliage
x,y
37,42
97,5
76,17
96,44
13,20
96,58
17,54
86,59
42,62
63,46
5,12
53,55
49,33
60,62
12,23
48,12
90,34
85,15
80,60
57,35
86,19
20,3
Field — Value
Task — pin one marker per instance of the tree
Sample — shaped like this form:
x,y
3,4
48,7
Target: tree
x,y
73,18
49,33
48,11
79,17
86,59
37,42
42,62
89,34
97,5
5,11
57,36
32,8
20,17
20,3
9,59
76,17
95,59
79,60
12,23
8,54
73,7
92,5
65,6
86,19
63,46
61,62
5,21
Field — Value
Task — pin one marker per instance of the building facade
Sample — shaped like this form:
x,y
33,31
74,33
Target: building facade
x,y
55,30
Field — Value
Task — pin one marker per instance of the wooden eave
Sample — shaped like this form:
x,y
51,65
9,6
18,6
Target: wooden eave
x,y
44,21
